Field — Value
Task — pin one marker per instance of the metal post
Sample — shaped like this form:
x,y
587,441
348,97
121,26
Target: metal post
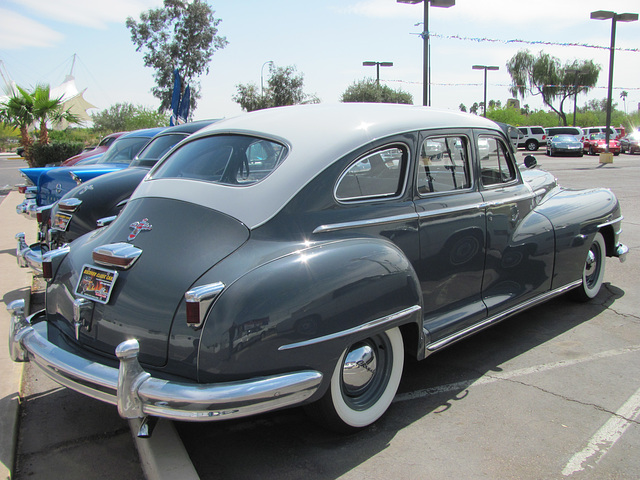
x,y
426,100
610,87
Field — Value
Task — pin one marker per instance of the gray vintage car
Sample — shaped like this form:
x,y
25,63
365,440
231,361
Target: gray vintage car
x,y
294,255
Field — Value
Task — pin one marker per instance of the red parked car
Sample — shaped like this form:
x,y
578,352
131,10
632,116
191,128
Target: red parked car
x,y
597,143
102,147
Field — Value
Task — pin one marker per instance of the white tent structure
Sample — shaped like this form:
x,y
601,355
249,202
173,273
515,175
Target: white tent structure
x,y
72,100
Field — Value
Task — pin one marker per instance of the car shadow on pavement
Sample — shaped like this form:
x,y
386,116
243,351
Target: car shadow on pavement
x,y
287,444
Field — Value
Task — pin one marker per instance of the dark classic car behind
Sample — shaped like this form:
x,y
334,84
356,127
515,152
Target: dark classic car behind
x,y
294,255
102,198
49,184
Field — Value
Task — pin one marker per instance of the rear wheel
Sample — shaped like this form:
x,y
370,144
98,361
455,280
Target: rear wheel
x,y
531,145
593,271
363,384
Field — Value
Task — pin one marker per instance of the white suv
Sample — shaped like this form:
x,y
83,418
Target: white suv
x,y
533,137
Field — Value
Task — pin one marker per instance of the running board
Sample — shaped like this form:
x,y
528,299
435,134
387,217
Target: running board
x,y
488,322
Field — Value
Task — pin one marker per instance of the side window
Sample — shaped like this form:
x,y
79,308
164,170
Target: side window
x,y
377,175
443,165
495,165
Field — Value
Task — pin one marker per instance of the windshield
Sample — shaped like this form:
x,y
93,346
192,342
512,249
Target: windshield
x,y
565,138
156,148
226,159
123,150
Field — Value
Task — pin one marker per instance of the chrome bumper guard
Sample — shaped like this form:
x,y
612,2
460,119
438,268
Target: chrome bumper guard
x,y
28,208
621,252
28,256
137,394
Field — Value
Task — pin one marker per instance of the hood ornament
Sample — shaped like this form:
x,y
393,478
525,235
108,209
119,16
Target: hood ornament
x,y
138,227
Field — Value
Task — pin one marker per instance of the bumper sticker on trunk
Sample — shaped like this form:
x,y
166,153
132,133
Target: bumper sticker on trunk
x,y
96,283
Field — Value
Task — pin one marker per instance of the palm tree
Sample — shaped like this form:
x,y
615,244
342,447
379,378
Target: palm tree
x,y
17,111
623,96
47,109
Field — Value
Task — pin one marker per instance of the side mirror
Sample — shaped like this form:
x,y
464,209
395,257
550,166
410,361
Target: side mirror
x,y
530,161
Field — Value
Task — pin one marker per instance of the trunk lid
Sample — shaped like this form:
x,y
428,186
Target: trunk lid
x,y
179,243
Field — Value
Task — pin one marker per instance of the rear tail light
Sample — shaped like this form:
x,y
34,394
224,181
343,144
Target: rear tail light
x,y
69,204
52,260
44,214
121,255
199,300
21,188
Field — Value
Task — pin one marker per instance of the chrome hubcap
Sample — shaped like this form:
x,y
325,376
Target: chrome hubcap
x,y
358,369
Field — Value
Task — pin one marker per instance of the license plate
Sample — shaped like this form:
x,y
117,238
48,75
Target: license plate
x,y
61,221
96,283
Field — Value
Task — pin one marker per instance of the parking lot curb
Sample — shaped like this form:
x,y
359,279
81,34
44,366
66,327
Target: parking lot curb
x,y
163,456
15,283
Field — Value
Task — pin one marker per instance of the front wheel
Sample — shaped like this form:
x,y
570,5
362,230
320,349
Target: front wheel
x,y
593,271
363,384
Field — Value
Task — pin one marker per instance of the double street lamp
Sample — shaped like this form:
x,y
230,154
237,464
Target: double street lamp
x,y
377,65
485,68
426,69
615,17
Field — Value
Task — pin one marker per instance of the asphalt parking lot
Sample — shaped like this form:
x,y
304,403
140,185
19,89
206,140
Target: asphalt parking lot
x,y
551,393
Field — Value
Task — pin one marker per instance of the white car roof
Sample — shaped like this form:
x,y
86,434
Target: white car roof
x,y
316,135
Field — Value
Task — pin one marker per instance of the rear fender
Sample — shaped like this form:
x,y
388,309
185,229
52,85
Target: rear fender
x,y
303,309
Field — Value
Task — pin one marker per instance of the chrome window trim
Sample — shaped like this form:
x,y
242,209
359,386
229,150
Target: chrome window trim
x,y
469,162
332,227
360,328
381,197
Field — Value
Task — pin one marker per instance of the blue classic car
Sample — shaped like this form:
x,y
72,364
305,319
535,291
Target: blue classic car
x,y
49,184
292,256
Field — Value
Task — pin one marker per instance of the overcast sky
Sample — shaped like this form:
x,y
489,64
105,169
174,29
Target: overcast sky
x,y
326,40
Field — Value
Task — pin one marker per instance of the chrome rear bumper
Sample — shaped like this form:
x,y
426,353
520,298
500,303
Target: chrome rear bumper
x,y
137,394
621,252
29,256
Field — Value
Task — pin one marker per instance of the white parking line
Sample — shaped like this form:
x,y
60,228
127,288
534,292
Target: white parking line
x,y
496,376
605,438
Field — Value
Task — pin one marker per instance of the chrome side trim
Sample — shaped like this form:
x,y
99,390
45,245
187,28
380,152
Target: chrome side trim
x,y
435,346
365,223
447,211
516,198
611,222
360,328
137,393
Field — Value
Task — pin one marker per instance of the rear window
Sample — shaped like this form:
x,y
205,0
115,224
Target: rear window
x,y
225,159
156,148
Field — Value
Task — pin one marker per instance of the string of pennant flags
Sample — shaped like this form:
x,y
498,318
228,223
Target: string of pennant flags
x,y
528,42
496,85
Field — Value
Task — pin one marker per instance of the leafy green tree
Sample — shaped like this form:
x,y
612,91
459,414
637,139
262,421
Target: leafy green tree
x,y
369,90
183,35
462,107
123,117
284,87
544,75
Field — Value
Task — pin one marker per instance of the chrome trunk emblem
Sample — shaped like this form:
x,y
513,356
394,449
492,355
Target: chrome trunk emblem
x,y
138,227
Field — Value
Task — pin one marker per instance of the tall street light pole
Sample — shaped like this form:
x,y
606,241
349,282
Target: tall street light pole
x,y
377,65
485,68
270,62
615,17
426,88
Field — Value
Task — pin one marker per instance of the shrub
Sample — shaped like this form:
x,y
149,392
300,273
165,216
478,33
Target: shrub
x,y
54,153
